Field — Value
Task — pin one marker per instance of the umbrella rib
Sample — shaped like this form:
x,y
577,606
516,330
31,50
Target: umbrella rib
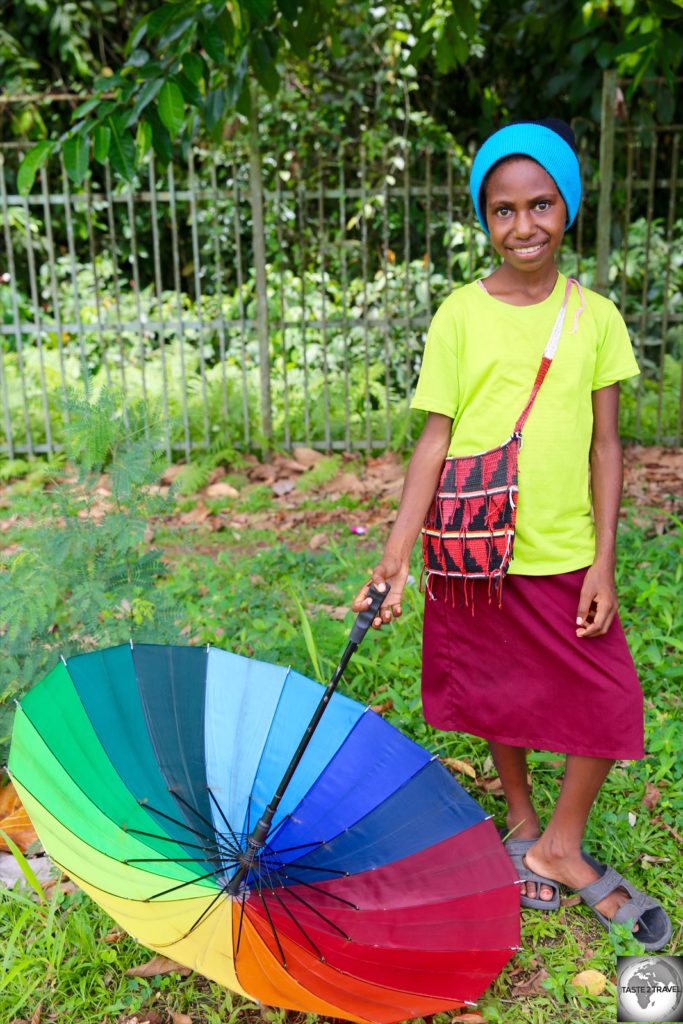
x,y
176,795
182,885
321,892
319,913
171,839
176,821
165,860
243,900
301,846
312,867
298,924
205,913
220,811
273,928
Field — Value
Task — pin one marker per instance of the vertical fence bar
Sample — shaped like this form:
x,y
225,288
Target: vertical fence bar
x,y
583,147
283,304
670,220
259,248
138,304
96,283
85,372
35,299
158,294
407,320
300,202
651,181
364,265
54,292
385,307
428,229
607,119
627,222
198,292
219,289
344,289
16,323
323,305
449,217
117,290
179,309
240,301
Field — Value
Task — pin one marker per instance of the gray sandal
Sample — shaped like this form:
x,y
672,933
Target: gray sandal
x,y
517,850
654,926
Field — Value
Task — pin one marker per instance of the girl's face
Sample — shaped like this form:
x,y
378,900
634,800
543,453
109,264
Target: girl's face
x,y
525,214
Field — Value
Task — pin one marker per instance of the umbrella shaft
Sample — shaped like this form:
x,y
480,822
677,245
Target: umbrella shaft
x,y
257,839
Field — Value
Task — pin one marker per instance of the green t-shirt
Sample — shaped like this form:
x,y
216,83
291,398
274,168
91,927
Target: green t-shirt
x,y
479,364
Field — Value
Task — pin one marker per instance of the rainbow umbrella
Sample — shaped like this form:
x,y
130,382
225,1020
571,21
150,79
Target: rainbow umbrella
x,y
294,847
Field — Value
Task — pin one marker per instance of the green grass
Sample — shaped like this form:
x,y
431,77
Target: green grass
x,y
245,595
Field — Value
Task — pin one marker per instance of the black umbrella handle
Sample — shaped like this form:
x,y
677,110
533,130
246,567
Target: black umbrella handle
x,y
364,619
256,841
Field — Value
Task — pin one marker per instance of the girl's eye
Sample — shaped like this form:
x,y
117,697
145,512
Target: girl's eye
x,y
543,205
502,211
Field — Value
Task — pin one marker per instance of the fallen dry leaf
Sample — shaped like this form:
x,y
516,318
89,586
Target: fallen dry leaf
x,y
307,457
37,1014
169,475
469,1018
593,981
381,709
180,1018
317,541
195,516
456,765
649,859
157,965
282,487
114,936
652,795
221,490
665,824
532,986
570,901
347,483
14,820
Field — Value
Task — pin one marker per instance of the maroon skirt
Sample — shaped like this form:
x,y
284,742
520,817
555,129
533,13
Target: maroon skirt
x,y
518,674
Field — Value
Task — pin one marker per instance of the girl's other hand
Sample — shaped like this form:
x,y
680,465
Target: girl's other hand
x,y
394,571
597,602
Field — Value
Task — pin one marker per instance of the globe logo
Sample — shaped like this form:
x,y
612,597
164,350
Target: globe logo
x,y
650,988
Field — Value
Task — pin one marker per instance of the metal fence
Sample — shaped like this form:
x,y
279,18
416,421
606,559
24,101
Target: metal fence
x,y
281,300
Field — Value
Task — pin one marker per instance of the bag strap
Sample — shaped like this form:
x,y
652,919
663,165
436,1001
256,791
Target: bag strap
x,y
550,350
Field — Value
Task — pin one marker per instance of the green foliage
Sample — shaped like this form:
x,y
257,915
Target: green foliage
x,y
83,574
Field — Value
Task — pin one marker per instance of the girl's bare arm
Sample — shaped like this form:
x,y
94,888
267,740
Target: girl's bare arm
x,y
420,483
598,601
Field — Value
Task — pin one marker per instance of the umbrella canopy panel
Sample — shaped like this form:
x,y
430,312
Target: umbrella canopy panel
x,y
383,891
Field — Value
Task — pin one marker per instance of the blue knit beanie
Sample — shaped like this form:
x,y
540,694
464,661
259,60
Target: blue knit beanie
x,y
550,143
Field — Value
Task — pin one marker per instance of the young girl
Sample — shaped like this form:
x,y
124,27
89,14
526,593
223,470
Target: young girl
x,y
547,666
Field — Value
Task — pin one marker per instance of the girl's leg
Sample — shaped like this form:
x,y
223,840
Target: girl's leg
x,y
557,854
521,816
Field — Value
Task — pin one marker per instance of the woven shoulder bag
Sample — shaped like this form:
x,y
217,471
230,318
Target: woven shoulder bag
x,y
469,529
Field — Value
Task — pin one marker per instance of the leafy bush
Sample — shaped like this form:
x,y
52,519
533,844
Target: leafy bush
x,y
84,574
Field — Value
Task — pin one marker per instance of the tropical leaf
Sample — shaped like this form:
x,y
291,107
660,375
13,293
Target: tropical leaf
x,y
101,143
171,107
76,158
31,164
121,149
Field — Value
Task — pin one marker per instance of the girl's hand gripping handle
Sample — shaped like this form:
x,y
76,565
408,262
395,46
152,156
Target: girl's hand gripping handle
x,y
364,619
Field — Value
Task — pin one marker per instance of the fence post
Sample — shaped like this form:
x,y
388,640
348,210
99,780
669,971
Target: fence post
x,y
259,249
607,118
